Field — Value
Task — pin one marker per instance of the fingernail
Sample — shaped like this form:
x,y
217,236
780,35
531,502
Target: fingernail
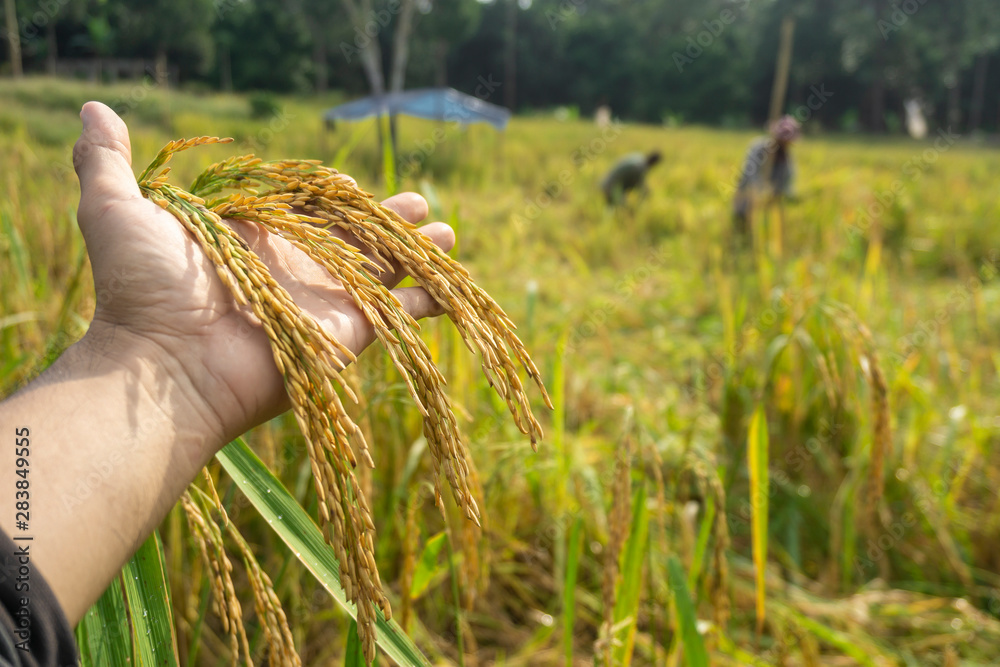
x,y
86,115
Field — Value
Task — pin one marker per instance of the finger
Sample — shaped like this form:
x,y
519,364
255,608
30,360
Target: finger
x,y
411,206
417,302
102,157
442,235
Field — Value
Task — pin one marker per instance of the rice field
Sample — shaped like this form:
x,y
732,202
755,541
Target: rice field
x,y
772,456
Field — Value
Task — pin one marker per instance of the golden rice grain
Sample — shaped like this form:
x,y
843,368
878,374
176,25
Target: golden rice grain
x,y
301,201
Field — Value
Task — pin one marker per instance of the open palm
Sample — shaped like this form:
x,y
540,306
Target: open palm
x,y
156,290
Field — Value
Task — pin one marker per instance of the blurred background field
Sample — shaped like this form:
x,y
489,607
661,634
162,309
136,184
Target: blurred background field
x,y
659,342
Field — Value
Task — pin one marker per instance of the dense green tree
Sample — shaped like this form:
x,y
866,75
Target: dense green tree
x,y
178,30
708,61
263,46
441,24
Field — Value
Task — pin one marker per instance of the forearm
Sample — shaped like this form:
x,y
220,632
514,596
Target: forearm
x,y
113,441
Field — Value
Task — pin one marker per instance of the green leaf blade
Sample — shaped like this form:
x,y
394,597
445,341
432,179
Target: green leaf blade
x,y
102,634
148,596
354,656
428,569
630,590
296,529
694,647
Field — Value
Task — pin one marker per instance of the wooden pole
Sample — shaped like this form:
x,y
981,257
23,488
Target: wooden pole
x,y
781,68
510,56
13,38
778,92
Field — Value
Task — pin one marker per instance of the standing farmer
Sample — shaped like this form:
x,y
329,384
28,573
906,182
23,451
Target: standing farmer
x,y
629,173
768,173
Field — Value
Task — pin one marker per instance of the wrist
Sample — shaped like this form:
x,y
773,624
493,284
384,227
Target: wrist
x,y
164,395
116,436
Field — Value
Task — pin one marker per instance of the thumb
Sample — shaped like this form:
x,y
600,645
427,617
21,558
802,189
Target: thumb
x,y
102,157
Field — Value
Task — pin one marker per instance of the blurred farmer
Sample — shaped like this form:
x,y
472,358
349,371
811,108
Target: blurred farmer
x,y
629,173
768,172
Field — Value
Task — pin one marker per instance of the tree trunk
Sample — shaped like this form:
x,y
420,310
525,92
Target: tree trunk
x,y
371,56
877,105
319,61
400,58
13,38
51,47
371,62
161,66
955,103
876,91
510,60
226,69
371,52
441,63
978,92
401,46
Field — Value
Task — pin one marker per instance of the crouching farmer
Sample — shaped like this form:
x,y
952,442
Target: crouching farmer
x,y
628,174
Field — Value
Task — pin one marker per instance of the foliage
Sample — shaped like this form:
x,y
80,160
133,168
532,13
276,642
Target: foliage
x,y
651,311
709,62
178,29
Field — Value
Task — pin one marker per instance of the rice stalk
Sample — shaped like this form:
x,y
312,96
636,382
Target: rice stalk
x,y
274,623
302,202
208,537
758,444
881,433
703,466
618,527
277,633
411,541
663,541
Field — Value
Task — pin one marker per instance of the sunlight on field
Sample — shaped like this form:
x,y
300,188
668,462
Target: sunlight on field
x,y
650,329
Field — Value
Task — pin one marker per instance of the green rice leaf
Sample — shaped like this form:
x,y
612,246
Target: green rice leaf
x,y
694,648
18,256
148,596
291,523
849,644
630,589
355,656
701,547
428,569
102,635
388,155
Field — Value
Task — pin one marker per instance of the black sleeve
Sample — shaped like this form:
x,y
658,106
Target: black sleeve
x,y
34,631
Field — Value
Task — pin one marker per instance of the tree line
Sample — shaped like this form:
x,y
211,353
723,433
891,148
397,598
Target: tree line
x,y
854,62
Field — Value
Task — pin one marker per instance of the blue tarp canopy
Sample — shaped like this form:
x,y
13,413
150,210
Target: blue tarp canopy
x,y
446,104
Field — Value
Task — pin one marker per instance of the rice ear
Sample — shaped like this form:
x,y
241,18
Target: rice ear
x,y
300,201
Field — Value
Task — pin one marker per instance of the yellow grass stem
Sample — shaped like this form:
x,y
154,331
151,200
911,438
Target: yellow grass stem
x,y
757,462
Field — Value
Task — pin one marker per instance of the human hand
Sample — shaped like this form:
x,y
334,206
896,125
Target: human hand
x,y
161,304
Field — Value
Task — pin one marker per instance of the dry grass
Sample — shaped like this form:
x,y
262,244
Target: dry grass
x,y
301,201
